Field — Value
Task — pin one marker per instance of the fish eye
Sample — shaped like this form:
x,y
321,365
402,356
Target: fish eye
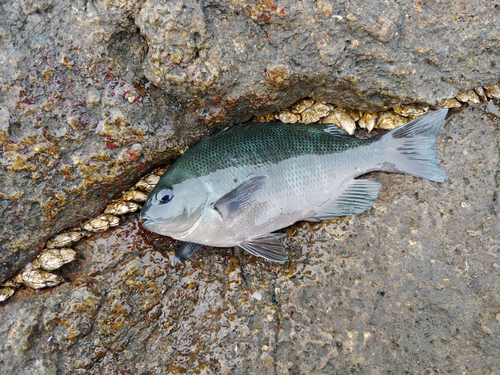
x,y
164,195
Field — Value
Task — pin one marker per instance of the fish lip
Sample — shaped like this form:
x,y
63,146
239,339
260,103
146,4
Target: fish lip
x,y
146,220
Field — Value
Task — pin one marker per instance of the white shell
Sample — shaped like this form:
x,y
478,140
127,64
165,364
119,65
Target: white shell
x,y
121,208
368,121
390,120
135,196
37,279
6,292
65,239
53,259
341,119
148,183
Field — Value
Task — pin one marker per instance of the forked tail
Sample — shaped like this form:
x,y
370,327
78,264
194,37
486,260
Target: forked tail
x,y
409,149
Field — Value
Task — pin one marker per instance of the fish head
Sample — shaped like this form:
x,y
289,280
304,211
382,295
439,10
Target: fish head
x,y
175,209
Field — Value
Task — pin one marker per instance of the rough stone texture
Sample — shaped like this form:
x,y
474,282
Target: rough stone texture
x,y
97,93
410,287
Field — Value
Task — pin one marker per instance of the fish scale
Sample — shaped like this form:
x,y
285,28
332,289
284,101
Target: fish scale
x,y
260,143
239,186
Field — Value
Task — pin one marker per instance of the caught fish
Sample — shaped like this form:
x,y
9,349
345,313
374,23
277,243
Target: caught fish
x,y
237,187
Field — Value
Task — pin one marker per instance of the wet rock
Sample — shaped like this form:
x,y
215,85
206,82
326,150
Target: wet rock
x,y
97,94
357,294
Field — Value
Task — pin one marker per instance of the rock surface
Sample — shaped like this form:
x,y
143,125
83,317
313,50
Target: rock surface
x,y
411,286
98,93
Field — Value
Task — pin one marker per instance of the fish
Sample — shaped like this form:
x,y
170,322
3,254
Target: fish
x,y
245,183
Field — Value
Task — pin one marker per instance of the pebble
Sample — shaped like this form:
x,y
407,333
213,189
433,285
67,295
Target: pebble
x,y
257,296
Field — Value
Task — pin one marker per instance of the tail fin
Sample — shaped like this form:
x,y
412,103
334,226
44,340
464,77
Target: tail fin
x,y
410,148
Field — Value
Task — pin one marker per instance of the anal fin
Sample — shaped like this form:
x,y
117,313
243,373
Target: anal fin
x,y
358,197
267,246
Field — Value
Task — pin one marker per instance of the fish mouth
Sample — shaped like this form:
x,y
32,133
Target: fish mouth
x,y
147,221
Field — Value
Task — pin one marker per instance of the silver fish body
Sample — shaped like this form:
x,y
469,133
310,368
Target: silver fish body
x,y
239,186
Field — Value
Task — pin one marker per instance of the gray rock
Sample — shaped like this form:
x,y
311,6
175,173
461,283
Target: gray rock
x,y
97,93
410,286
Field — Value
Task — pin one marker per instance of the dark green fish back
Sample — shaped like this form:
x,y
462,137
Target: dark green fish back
x,y
259,143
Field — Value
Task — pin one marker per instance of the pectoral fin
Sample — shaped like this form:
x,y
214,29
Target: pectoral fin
x,y
240,197
267,246
359,196
185,251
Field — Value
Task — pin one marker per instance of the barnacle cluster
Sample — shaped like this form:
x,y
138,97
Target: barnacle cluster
x,y
308,111
37,275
